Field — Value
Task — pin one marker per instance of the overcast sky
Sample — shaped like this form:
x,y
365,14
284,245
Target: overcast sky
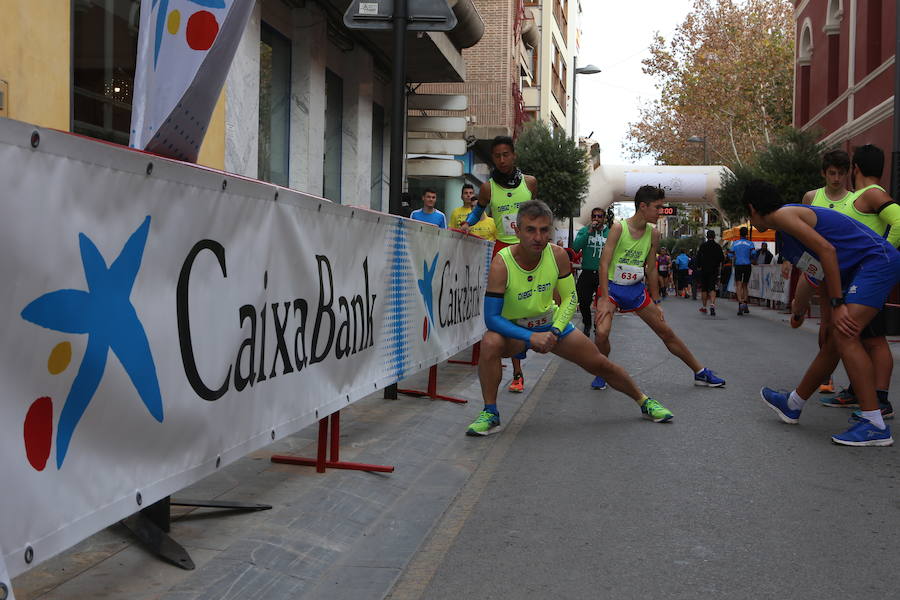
x,y
615,37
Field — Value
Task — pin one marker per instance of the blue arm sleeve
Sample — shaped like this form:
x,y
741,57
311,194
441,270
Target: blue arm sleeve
x,y
475,215
493,306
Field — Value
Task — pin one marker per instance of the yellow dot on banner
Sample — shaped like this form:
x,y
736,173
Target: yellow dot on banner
x,y
60,357
173,22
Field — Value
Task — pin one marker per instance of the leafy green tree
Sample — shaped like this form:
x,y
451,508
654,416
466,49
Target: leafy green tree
x,y
793,163
561,167
726,76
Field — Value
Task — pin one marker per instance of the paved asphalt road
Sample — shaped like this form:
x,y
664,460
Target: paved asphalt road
x,y
581,498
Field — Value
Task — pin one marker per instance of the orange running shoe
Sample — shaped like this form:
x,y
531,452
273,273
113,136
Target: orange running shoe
x,y
827,387
517,385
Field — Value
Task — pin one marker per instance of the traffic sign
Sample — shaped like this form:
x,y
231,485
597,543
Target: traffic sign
x,y
424,15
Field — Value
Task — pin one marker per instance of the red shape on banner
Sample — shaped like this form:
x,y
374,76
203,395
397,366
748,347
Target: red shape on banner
x,y
202,29
39,432
425,330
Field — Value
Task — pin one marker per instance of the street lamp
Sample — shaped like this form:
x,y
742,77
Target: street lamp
x,y
696,139
586,70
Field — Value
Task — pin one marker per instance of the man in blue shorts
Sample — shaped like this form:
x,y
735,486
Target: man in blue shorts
x,y
742,251
629,256
859,269
521,315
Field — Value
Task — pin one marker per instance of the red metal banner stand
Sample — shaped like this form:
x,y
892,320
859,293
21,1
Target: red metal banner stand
x,y
476,354
330,424
432,389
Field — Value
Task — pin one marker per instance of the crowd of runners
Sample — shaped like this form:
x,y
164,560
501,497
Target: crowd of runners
x,y
843,243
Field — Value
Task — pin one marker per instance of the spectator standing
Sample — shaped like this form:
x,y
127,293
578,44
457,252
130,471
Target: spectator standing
x,y
590,240
460,213
428,213
764,257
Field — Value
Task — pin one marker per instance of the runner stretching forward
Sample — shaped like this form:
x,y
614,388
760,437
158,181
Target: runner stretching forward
x,y
629,255
520,314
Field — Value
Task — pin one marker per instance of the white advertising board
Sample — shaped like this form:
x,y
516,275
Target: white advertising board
x,y
162,319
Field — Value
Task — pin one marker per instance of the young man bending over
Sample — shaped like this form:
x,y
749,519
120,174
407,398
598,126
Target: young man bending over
x,y
627,257
521,314
859,270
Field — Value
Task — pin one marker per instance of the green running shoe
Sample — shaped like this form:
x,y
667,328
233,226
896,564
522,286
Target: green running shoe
x,y
656,412
486,424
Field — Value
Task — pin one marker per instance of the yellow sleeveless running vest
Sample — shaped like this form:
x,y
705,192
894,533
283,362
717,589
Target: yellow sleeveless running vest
x,y
824,201
505,207
529,294
870,220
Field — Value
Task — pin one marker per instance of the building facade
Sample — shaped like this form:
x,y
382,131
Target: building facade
x,y
306,103
521,69
844,79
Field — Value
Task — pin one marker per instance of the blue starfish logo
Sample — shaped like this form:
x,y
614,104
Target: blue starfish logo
x,y
425,287
105,313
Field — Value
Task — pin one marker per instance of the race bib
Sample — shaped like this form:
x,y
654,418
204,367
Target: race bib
x,y
538,321
508,222
809,265
627,274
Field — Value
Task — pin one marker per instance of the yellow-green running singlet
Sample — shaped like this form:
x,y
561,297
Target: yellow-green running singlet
x,y
528,298
870,220
505,207
824,201
630,255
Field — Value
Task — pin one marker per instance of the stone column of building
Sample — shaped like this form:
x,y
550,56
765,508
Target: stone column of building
x,y
242,103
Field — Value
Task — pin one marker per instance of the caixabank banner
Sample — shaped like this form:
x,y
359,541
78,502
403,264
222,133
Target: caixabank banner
x,y
161,320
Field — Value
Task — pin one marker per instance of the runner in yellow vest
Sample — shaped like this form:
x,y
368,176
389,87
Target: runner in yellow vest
x,y
506,190
521,314
874,208
835,165
628,256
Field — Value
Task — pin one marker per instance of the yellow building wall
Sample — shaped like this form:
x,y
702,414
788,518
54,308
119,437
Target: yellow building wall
x,y
212,151
35,63
35,60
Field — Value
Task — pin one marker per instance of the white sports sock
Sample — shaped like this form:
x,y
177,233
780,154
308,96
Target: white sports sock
x,y
874,416
795,402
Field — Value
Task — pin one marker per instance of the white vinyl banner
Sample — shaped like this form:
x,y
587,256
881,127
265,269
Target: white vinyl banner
x,y
766,282
162,319
185,48
6,591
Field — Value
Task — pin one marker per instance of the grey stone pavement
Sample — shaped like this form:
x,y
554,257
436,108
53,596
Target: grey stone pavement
x,y
577,497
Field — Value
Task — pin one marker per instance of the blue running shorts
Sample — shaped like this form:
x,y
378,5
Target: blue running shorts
x,y
629,298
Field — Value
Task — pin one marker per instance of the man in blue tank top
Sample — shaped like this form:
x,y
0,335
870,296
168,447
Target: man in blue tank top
x,y
859,269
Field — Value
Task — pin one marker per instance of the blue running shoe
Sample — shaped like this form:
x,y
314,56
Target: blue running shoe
x,y
598,383
864,433
778,401
708,378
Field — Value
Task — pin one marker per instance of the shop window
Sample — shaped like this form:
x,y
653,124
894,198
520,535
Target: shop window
x,y
334,122
104,54
274,106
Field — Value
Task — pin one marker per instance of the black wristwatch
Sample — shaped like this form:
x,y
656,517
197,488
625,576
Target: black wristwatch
x,y
835,302
555,331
